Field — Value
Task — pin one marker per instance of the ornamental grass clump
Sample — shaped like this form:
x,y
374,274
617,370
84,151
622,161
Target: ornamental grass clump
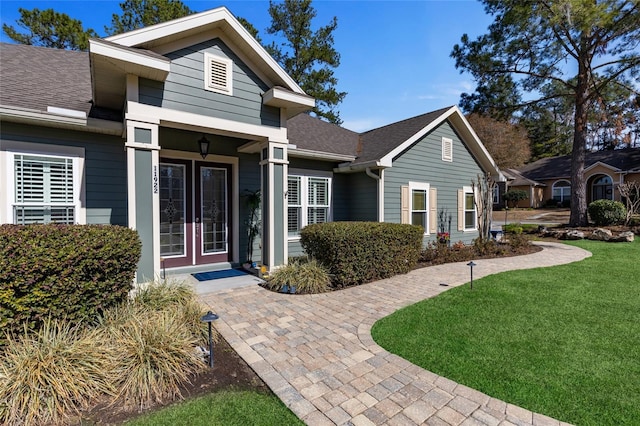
x,y
155,335
155,354
50,373
306,276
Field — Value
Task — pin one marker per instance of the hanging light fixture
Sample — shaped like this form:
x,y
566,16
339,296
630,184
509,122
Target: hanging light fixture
x,y
203,144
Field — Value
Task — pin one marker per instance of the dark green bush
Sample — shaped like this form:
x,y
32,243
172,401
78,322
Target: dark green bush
x,y
360,252
607,212
63,271
514,195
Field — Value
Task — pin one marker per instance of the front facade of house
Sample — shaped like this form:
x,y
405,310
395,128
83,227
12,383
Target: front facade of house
x,y
170,128
548,181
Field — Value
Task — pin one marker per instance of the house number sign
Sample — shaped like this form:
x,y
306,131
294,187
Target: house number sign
x,y
155,179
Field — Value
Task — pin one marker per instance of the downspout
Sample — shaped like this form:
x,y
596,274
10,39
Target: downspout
x,y
380,191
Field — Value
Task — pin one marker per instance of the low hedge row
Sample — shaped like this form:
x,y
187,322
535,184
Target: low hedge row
x,y
63,271
360,252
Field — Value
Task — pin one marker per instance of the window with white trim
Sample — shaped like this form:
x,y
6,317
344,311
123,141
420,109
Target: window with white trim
x,y
308,201
218,73
470,213
561,191
447,149
44,187
419,204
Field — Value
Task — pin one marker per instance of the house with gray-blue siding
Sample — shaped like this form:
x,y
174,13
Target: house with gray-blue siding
x,y
169,129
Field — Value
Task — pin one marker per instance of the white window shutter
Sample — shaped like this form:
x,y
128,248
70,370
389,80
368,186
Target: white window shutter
x,y
460,210
433,210
405,216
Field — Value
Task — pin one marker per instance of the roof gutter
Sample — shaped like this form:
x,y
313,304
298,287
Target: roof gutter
x,y
65,121
349,168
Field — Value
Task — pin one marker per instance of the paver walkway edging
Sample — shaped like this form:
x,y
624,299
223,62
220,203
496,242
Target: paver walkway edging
x,y
317,355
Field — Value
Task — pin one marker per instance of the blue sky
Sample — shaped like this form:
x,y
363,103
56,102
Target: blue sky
x,y
395,60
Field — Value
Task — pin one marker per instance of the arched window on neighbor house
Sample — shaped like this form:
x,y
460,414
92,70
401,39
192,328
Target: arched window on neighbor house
x,y
602,188
561,191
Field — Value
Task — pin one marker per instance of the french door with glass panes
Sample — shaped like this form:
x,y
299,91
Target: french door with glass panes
x,y
194,212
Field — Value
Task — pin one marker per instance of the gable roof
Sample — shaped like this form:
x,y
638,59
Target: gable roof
x,y
560,167
379,147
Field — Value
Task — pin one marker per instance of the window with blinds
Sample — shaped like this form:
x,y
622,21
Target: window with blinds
x,y
218,74
308,200
43,190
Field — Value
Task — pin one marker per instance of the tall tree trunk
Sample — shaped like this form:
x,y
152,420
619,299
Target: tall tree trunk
x,y
578,185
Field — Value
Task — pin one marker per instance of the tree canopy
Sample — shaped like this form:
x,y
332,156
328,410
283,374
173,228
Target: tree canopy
x,y
142,13
307,56
507,143
583,47
49,28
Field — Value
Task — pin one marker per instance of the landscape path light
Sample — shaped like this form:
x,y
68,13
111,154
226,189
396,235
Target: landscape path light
x,y
209,318
471,265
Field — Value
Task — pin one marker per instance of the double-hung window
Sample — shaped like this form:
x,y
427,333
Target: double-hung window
x,y
470,212
44,187
419,204
308,199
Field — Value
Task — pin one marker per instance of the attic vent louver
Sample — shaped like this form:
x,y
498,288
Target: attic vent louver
x,y
218,74
447,149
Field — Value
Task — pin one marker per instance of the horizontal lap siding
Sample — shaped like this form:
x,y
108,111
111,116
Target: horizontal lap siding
x,y
423,163
105,167
184,88
363,197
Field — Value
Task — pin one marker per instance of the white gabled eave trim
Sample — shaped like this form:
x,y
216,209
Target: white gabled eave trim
x,y
605,165
97,47
278,96
453,112
203,19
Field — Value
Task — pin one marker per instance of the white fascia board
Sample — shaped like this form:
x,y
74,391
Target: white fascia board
x,y
600,163
67,112
319,155
40,118
348,168
279,97
202,20
125,55
188,120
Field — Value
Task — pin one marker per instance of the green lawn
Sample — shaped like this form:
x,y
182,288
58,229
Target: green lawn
x,y
228,408
562,341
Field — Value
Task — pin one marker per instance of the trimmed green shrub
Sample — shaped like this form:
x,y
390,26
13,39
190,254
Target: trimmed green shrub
x,y
307,276
63,271
360,252
514,195
512,228
607,212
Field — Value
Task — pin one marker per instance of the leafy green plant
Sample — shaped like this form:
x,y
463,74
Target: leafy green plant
x,y
513,196
49,373
63,271
512,228
607,212
306,276
360,252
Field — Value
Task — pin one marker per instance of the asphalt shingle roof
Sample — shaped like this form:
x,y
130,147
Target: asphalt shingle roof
x,y
313,134
554,167
37,77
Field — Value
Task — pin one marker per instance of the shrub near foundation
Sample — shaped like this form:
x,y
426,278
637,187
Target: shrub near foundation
x,y
360,252
63,271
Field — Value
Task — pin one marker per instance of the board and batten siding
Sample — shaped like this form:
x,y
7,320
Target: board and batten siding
x,y
184,90
423,163
105,165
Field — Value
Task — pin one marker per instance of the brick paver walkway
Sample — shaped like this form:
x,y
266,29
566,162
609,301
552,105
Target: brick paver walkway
x,y
317,355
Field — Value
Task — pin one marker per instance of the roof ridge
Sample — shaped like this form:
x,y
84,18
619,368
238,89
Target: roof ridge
x,y
408,119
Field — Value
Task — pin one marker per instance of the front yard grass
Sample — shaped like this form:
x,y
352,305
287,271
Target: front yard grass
x,y
561,341
224,408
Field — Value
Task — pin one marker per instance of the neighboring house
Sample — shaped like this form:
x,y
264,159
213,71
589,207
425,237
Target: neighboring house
x,y
548,180
163,129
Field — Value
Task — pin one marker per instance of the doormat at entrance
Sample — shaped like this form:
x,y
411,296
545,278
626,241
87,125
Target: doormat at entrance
x,y
214,275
